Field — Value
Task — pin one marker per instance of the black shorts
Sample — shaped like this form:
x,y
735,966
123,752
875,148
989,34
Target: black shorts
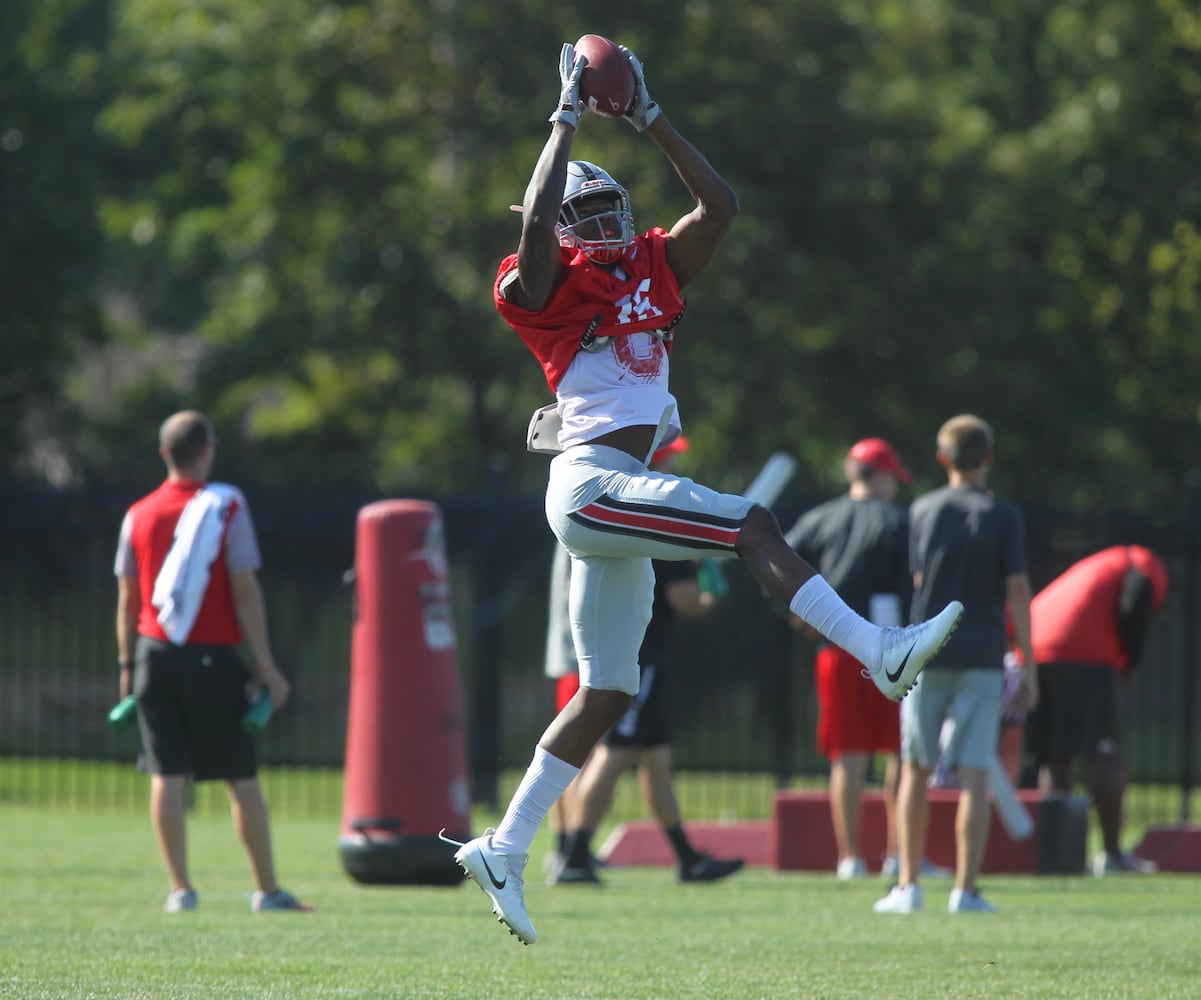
x,y
1078,712
191,700
646,722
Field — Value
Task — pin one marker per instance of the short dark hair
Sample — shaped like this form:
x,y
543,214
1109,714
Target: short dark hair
x,y
965,442
184,436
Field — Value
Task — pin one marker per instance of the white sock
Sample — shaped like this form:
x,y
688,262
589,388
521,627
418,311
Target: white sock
x,y
817,604
545,780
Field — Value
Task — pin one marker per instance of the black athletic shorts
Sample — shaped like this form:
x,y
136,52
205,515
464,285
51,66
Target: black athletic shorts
x,y
1078,712
191,700
646,722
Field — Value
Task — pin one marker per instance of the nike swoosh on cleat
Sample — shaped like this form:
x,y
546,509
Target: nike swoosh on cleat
x,y
499,885
893,678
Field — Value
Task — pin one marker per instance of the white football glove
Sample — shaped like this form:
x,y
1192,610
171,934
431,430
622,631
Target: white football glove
x,y
643,111
571,105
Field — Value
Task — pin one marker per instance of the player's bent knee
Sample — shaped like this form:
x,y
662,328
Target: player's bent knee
x,y
605,705
760,529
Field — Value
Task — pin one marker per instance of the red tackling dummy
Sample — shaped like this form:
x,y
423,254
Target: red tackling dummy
x,y
607,83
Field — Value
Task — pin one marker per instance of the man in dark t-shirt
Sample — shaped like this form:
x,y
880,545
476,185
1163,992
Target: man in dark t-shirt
x,y
964,542
859,542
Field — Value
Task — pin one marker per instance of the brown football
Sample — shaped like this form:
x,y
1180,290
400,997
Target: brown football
x,y
607,83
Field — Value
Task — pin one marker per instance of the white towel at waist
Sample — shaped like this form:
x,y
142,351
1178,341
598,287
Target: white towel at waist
x,y
184,577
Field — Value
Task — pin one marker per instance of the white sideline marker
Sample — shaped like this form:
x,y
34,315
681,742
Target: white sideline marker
x,y
1014,816
767,486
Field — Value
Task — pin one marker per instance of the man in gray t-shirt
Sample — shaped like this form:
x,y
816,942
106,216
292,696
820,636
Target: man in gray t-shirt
x,y
966,544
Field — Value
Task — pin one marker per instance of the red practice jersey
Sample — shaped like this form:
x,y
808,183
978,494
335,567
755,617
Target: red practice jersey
x,y
152,523
1075,618
644,296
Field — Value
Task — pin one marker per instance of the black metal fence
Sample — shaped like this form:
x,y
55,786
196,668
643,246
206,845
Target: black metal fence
x,y
743,684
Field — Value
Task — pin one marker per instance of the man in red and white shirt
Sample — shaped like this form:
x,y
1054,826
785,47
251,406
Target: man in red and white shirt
x,y
186,567
597,305
1088,626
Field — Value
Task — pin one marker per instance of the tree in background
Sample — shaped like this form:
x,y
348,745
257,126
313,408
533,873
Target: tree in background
x,y
50,246
947,206
969,208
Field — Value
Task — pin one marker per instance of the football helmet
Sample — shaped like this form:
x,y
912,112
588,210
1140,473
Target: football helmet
x,y
602,235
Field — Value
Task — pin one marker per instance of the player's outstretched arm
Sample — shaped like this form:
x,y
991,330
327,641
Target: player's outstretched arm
x,y
695,237
538,260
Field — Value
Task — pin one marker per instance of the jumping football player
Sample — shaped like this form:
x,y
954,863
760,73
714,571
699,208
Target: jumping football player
x,y
597,306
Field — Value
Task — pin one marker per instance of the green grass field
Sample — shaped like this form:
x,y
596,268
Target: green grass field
x,y
81,917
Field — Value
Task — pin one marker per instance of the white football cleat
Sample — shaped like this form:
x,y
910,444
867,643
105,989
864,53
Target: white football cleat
x,y
905,651
502,877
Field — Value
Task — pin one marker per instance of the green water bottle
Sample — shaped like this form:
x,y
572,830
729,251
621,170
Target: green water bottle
x,y
711,577
124,713
259,714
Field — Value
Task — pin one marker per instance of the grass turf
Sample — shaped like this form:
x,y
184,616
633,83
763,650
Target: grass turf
x,y
81,917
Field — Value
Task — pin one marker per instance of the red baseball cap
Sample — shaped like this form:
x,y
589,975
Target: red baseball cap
x,y
876,453
679,445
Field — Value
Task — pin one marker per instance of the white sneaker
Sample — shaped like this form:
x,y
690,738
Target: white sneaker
x,y
180,901
1122,864
280,900
907,650
901,899
849,868
502,877
968,902
891,868
931,870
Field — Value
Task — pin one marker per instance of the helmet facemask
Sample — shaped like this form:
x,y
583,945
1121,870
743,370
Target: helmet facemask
x,y
595,216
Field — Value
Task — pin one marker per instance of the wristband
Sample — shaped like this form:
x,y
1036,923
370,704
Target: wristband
x,y
124,664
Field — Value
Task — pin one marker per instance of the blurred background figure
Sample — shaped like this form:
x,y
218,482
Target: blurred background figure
x,y
859,542
187,595
1089,625
968,544
642,738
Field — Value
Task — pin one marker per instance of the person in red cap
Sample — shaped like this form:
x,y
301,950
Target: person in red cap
x,y
877,455
1088,627
859,543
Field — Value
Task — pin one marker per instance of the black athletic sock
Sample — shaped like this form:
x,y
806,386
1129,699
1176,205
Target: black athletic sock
x,y
561,842
683,849
579,849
